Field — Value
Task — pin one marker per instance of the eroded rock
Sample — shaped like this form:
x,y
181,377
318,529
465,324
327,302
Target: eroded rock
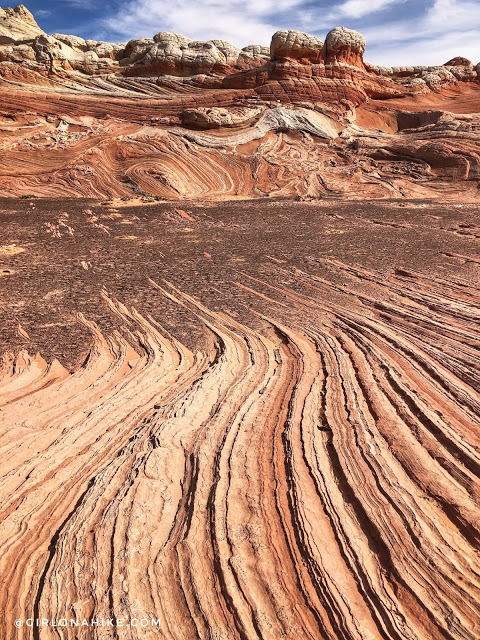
x,y
296,45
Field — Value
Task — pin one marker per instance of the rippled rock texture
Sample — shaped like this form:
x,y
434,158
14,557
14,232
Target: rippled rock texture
x,y
94,119
252,420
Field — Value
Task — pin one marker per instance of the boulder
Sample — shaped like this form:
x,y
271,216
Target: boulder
x,y
176,55
217,117
53,52
74,42
459,61
345,45
136,49
296,45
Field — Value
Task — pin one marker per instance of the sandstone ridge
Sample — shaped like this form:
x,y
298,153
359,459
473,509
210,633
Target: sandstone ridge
x,y
77,105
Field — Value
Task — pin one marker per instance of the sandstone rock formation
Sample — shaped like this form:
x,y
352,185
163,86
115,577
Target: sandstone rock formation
x,y
345,45
217,117
246,419
257,437
17,25
296,45
177,55
132,108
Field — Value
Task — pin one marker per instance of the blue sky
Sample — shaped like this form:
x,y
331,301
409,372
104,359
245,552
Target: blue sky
x,y
397,31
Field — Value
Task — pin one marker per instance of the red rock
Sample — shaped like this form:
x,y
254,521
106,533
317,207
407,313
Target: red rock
x,y
104,120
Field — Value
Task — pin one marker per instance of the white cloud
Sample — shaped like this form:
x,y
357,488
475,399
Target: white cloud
x,y
238,22
428,51
360,8
447,15
441,30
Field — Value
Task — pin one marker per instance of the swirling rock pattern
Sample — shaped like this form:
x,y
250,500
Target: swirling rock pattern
x,y
262,438
250,420
93,119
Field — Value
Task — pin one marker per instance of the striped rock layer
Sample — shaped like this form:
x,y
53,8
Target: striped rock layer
x,y
96,119
320,483
311,473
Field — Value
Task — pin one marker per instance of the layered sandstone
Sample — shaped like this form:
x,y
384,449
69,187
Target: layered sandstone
x,y
17,25
105,119
246,420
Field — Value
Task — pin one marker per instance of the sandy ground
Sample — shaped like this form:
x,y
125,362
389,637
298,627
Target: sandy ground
x,y
62,254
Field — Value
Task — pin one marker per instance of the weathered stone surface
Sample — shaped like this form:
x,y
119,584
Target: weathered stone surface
x,y
136,49
17,25
177,55
257,50
296,45
216,117
345,45
257,418
245,420
113,119
459,62
74,42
